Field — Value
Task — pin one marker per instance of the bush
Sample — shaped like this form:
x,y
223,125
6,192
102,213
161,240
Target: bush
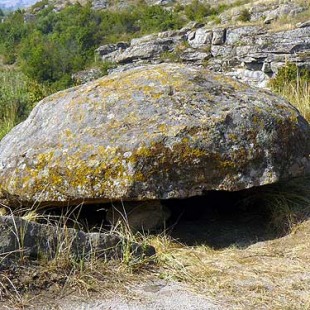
x,y
155,18
106,66
290,73
244,16
57,44
197,11
293,83
12,30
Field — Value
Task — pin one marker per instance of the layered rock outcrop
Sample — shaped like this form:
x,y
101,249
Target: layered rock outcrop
x,y
154,132
251,54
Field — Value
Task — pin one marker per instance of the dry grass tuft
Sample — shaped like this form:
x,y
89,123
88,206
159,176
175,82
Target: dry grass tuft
x,y
23,280
270,274
299,95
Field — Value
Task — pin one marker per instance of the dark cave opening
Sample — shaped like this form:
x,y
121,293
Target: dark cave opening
x,y
218,219
221,219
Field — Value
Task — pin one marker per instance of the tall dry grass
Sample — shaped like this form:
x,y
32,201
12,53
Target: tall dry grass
x,y
298,93
293,83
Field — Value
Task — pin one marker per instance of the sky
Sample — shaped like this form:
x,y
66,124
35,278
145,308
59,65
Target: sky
x,y
16,3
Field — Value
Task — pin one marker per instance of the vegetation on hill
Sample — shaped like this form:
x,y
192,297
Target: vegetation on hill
x,y
293,83
55,44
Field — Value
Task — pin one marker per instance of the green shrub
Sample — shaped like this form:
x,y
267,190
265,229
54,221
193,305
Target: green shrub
x,y
12,30
215,19
197,11
57,44
106,66
244,16
168,56
290,73
179,8
155,18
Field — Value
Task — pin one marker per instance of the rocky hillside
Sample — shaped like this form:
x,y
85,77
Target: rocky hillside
x,y
248,40
251,53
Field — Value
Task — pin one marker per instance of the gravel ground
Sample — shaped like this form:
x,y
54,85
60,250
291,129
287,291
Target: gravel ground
x,y
158,295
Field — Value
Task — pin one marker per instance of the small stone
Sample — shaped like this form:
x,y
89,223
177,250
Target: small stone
x,y
304,24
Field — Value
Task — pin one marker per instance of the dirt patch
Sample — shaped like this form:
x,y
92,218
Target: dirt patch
x,y
155,294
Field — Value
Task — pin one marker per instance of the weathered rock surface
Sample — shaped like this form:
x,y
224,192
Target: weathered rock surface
x,y
154,132
249,53
148,48
20,238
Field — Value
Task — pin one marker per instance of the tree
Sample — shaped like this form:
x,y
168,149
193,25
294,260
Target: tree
x,y
11,33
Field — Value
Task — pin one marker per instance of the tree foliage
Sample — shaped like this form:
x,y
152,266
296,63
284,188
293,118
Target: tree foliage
x,y
56,44
197,11
12,30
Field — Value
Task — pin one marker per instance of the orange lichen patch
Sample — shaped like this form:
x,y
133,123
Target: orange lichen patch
x,y
68,133
163,128
187,153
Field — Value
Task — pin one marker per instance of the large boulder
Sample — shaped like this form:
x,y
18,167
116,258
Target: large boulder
x,y
153,132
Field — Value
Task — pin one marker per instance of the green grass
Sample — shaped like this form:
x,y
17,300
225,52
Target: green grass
x,y
293,83
13,99
18,96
